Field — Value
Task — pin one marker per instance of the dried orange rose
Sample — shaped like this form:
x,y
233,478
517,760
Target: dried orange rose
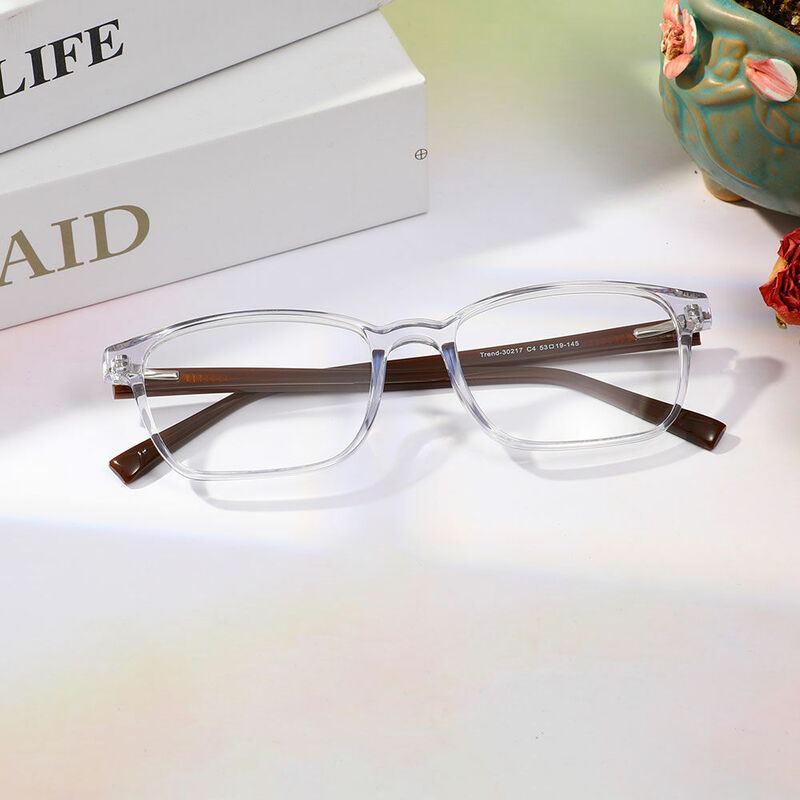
x,y
782,291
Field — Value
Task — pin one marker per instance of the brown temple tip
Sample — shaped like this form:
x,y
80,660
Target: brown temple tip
x,y
698,429
136,462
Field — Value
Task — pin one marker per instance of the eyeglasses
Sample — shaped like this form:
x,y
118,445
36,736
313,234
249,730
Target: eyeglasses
x,y
560,366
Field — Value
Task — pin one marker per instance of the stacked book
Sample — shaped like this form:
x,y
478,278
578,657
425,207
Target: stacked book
x,y
146,141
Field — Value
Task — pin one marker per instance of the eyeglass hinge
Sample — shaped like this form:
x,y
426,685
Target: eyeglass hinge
x,y
118,370
693,318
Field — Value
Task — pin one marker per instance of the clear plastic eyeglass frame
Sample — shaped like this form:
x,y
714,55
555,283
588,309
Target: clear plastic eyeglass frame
x,y
686,314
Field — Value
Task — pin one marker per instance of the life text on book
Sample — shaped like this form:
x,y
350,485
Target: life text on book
x,y
57,59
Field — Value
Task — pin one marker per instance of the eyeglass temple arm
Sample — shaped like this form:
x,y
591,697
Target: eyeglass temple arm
x,y
647,337
426,372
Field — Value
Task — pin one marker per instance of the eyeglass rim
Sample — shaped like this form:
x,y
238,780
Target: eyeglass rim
x,y
671,300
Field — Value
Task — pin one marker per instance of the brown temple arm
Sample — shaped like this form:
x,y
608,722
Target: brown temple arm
x,y
481,367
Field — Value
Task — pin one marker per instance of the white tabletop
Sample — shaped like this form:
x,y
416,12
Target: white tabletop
x,y
436,617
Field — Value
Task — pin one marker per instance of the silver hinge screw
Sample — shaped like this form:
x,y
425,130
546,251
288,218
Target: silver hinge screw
x,y
120,366
693,318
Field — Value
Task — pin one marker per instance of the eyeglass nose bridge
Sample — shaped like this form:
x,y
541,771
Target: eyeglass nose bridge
x,y
440,337
426,332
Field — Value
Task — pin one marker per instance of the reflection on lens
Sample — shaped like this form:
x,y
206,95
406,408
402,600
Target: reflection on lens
x,y
573,368
258,395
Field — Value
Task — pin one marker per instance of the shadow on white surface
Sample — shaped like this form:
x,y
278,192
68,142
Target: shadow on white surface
x,y
418,457
780,223
742,381
749,377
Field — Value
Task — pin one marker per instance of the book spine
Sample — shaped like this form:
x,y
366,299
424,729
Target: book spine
x,y
63,62
133,226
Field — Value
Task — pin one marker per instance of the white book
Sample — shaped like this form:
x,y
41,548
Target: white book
x,y
315,140
63,62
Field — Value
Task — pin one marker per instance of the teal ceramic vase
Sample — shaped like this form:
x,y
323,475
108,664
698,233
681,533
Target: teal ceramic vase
x,y
729,88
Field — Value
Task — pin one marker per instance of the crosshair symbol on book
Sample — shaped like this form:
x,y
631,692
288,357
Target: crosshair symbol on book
x,y
421,154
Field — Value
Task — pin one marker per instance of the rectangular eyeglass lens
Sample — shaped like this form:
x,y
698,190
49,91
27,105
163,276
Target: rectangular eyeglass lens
x,y
573,368
281,394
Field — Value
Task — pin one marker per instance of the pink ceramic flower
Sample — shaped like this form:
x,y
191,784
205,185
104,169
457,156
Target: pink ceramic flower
x,y
679,40
773,78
